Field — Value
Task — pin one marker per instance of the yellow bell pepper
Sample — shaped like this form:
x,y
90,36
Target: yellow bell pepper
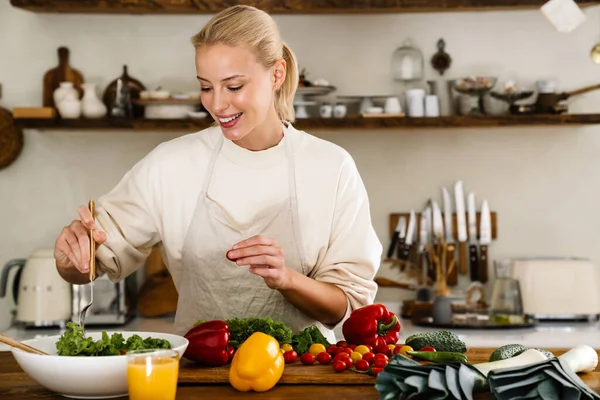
x,y
257,364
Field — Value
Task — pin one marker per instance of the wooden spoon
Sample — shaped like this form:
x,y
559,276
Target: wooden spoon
x,y
21,346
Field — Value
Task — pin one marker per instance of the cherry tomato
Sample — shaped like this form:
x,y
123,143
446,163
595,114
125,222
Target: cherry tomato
x,y
316,348
355,356
342,343
380,356
376,370
391,347
380,362
290,356
348,362
340,350
307,359
380,346
368,346
348,350
352,346
427,348
286,347
362,349
324,358
339,366
368,357
402,350
331,349
362,365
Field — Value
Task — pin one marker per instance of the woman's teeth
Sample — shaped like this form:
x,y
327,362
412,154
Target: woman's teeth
x,y
229,119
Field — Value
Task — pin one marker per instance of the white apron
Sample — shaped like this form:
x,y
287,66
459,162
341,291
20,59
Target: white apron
x,y
213,287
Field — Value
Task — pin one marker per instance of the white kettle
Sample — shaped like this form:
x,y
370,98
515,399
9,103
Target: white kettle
x,y
42,296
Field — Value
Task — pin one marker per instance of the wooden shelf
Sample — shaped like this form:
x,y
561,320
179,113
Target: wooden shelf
x,y
275,6
328,123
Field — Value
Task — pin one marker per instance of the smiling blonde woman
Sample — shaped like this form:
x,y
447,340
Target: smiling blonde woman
x,y
254,217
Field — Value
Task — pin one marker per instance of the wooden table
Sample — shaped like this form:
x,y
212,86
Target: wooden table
x,y
16,385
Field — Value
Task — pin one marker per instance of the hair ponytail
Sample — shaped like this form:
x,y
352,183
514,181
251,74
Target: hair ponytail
x,y
252,28
284,98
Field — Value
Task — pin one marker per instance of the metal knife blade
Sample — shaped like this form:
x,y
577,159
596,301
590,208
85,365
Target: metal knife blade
x,y
473,251
395,238
485,238
447,204
401,239
438,225
461,227
404,250
423,231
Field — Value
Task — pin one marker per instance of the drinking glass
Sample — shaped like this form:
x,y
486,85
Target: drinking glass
x,y
152,374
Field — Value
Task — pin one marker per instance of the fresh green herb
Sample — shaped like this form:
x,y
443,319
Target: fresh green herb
x,y
302,340
74,343
242,328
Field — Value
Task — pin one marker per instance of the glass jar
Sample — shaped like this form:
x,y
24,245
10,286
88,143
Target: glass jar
x,y
407,63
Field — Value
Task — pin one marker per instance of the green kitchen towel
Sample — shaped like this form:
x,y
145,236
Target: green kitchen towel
x,y
404,378
552,379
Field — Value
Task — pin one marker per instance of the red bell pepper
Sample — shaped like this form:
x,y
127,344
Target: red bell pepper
x,y
209,343
373,325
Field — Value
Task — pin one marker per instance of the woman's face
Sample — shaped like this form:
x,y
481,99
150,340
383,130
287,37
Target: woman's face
x,y
237,90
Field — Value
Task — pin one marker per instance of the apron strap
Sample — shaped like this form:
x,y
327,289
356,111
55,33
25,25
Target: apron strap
x,y
211,164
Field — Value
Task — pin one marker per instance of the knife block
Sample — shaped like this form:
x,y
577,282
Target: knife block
x,y
431,277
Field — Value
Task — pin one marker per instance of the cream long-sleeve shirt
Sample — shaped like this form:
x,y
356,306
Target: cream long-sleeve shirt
x,y
154,203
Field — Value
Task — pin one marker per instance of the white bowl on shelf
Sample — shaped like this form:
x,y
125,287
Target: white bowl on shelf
x,y
84,377
197,114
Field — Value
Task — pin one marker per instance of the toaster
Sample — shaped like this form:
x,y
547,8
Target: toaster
x,y
555,288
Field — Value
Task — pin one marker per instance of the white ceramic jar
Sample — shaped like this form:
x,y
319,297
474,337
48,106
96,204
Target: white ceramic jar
x,y
91,105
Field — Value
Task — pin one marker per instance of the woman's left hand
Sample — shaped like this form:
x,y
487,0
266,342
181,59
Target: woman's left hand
x,y
265,258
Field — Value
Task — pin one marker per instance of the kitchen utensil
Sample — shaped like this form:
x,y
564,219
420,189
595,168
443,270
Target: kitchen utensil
x,y
441,60
127,86
461,224
476,87
21,346
92,268
84,377
423,291
512,97
473,253
42,296
11,139
506,304
410,238
485,238
547,103
558,288
452,276
400,230
385,282
63,72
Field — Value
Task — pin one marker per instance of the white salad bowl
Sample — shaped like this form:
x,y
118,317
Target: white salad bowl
x,y
81,377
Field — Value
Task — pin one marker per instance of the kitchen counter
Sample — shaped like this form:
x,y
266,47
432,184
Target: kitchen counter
x,y
545,335
15,384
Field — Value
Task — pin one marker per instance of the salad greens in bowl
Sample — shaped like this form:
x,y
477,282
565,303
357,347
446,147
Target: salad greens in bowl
x,y
90,365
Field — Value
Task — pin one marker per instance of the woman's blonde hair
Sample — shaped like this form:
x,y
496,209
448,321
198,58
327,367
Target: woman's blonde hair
x,y
249,27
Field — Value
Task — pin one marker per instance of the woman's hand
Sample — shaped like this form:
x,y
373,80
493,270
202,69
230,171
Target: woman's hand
x,y
265,258
72,248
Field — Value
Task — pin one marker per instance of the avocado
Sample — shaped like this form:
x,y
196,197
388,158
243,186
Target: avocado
x,y
507,351
439,340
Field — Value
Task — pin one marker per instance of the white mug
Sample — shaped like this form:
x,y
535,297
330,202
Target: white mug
x,y
326,110
432,106
392,106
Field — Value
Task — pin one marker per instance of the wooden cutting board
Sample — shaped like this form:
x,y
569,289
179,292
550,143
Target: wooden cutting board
x,y
300,374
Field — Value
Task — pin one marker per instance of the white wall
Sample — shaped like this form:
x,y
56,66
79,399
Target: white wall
x,y
540,180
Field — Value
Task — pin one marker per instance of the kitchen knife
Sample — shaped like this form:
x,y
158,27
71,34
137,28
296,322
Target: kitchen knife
x,y
461,227
438,224
401,238
485,238
473,253
451,276
401,225
408,241
423,292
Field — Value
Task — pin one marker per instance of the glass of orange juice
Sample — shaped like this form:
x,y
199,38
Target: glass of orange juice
x,y
152,374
